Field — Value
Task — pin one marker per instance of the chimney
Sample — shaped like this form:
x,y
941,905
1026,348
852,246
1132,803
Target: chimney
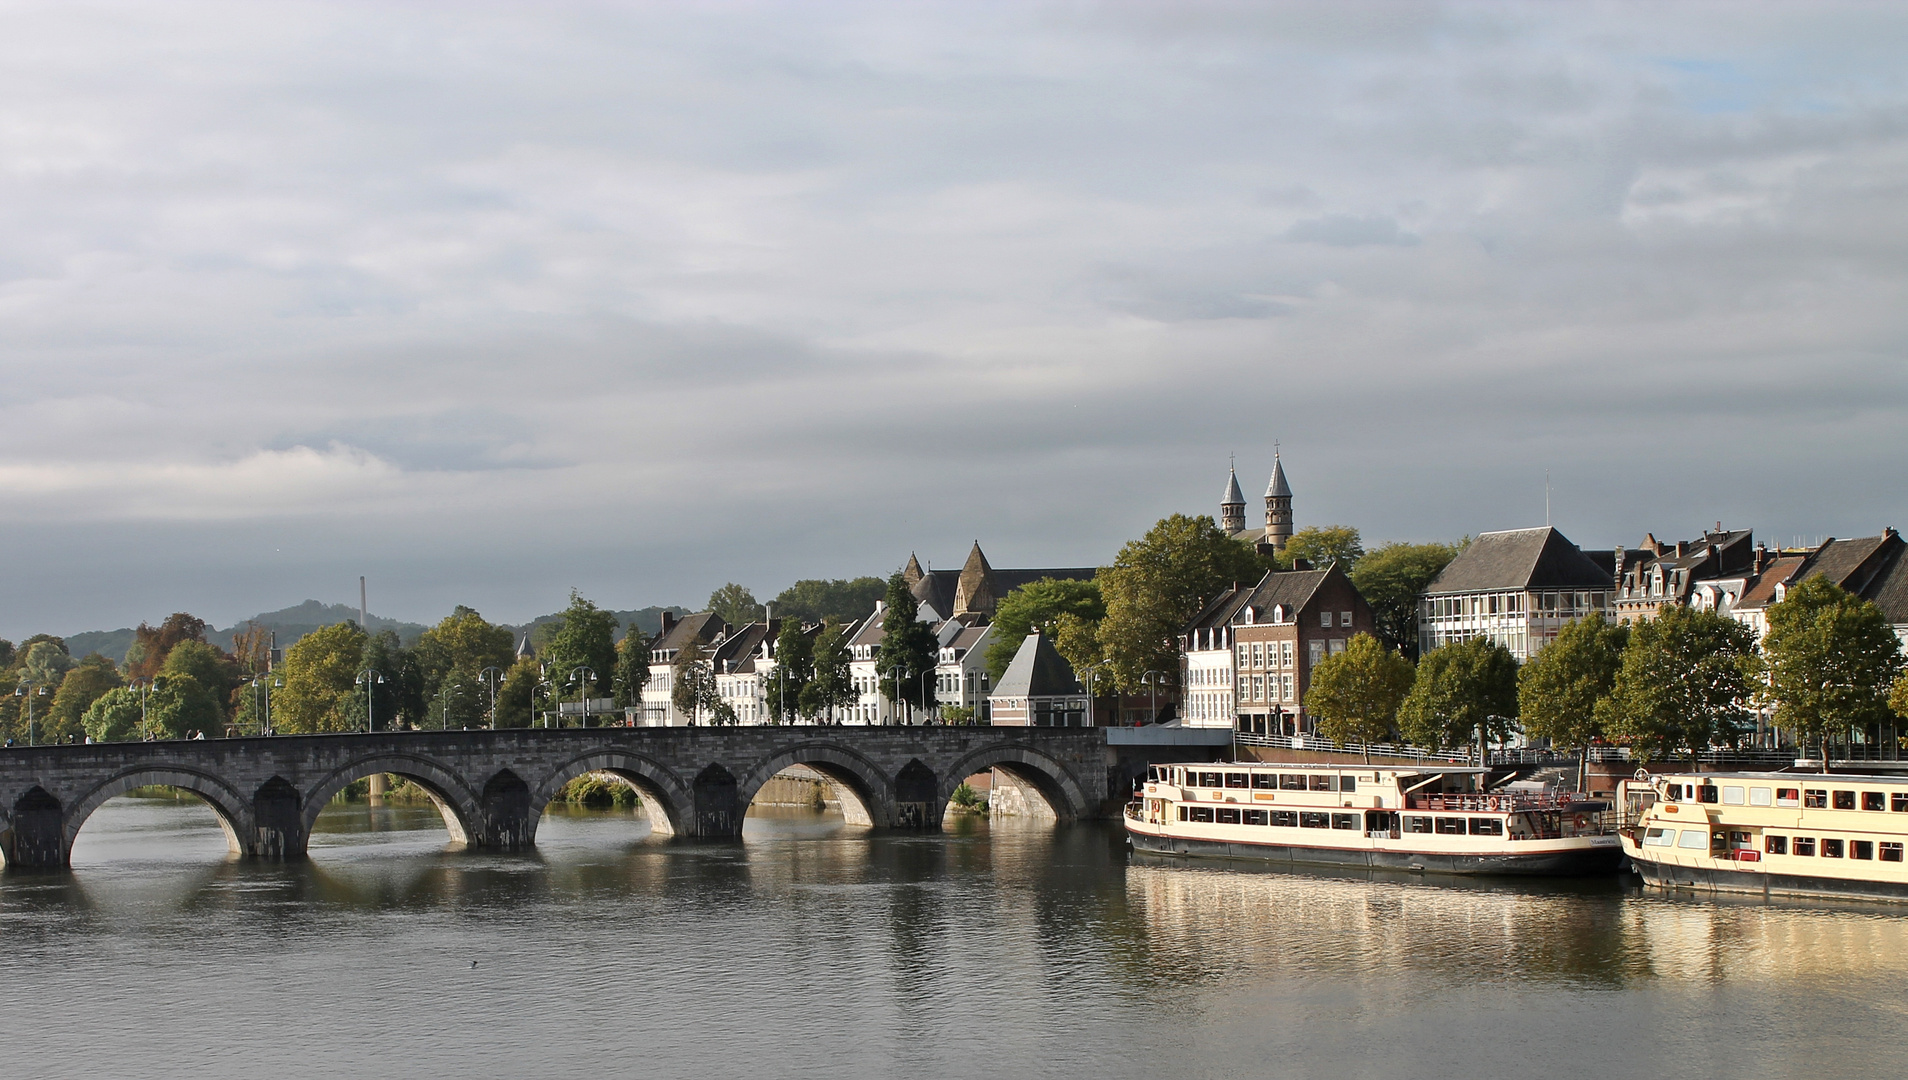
x,y
1617,563
1301,564
669,620
1682,548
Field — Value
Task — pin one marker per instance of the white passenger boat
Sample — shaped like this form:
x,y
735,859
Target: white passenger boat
x,y
1795,834
1423,817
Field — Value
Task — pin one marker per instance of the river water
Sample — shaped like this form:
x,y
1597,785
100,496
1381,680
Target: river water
x,y
812,949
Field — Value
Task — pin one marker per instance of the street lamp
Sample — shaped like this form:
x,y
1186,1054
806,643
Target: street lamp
x,y
1150,678
145,687
489,676
371,680
443,722
548,688
1092,710
25,690
582,692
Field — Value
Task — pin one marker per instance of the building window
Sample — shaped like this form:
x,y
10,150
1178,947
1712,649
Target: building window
x,y
1344,618
1325,619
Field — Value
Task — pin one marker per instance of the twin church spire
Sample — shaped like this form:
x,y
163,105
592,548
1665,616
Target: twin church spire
x,y
1278,510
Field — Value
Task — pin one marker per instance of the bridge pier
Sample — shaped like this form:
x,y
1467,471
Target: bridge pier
x,y
36,839
278,830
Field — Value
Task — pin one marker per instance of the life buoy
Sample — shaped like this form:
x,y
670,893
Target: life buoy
x,y
1582,821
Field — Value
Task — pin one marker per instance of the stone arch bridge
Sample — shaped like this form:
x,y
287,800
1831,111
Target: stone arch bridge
x,y
492,786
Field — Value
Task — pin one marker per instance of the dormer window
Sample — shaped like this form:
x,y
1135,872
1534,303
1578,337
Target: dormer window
x,y
1278,613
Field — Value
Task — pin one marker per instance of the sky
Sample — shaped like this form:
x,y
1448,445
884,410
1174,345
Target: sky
x,y
488,302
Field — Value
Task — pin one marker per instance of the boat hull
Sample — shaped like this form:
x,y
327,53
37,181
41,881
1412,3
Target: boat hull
x,y
1575,862
1757,883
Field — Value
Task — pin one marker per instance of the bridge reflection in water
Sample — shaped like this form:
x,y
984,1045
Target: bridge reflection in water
x,y
491,787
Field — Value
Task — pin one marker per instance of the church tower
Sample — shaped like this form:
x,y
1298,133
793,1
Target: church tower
x,y
1278,507
1232,507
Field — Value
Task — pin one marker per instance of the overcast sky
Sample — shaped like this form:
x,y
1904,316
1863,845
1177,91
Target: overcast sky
x,y
490,301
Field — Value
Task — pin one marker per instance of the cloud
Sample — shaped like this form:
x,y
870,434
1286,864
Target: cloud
x,y
1344,230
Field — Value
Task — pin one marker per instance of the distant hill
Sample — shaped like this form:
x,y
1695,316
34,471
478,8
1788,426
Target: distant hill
x,y
292,623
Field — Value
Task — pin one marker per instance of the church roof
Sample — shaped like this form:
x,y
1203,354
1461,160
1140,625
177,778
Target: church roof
x,y
1233,496
1038,670
1278,488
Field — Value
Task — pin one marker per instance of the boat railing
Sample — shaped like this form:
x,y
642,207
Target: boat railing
x,y
1499,802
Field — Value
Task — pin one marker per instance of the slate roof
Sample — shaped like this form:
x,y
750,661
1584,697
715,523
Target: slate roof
x,y
737,651
1233,496
1278,487
1038,670
1291,588
1778,572
936,588
1852,564
705,625
1889,589
1520,559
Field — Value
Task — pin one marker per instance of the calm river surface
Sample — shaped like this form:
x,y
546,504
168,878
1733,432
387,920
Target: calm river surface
x,y
813,949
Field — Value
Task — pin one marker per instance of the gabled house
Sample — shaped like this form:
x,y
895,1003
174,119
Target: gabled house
x,y
1248,655
708,630
1517,588
1039,689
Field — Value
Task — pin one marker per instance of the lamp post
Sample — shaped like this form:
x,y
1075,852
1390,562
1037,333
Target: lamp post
x,y
1152,678
144,686
1092,710
583,677
26,690
443,715
371,680
489,676
924,675
547,687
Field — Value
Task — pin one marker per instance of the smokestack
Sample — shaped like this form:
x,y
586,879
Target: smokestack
x,y
364,620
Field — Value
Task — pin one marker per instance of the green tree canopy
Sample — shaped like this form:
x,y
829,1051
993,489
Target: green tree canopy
x,y
209,667
1832,657
320,672
794,669
1560,689
1156,584
735,605
113,716
832,686
1356,694
1463,692
908,649
180,706
45,662
693,691
1038,605
91,680
817,600
1321,544
517,695
587,639
632,668
1684,684
1391,578
454,654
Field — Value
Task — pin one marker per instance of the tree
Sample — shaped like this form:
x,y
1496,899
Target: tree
x,y
1355,694
816,600
45,662
632,668
1038,606
1321,544
1077,640
794,670
694,686
1156,584
151,645
320,673
397,691
455,653
586,639
908,649
1560,689
1832,660
180,706
91,680
1464,694
1391,579
113,716
1898,696
833,684
735,605
517,696
1684,683
209,667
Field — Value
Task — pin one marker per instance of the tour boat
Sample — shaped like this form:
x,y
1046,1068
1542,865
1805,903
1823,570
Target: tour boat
x,y
1794,834
1435,818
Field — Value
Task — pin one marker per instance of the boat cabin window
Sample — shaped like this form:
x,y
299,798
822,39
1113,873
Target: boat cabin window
x,y
1659,837
1805,845
1758,796
1210,779
1787,796
1228,817
1200,813
1236,779
1451,826
1694,839
1344,821
1414,824
1321,783
1487,826
1285,819
1891,851
1348,783
1265,781
1732,795
1776,845
1255,817
1831,848
1313,819
1861,849
1874,800
1844,800
1291,781
1898,802
1706,794
1815,798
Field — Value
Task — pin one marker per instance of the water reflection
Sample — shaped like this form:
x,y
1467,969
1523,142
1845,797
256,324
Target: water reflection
x,y
815,948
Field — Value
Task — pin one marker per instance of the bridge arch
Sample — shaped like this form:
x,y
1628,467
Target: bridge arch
x,y
228,803
667,800
447,790
1041,771
867,796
